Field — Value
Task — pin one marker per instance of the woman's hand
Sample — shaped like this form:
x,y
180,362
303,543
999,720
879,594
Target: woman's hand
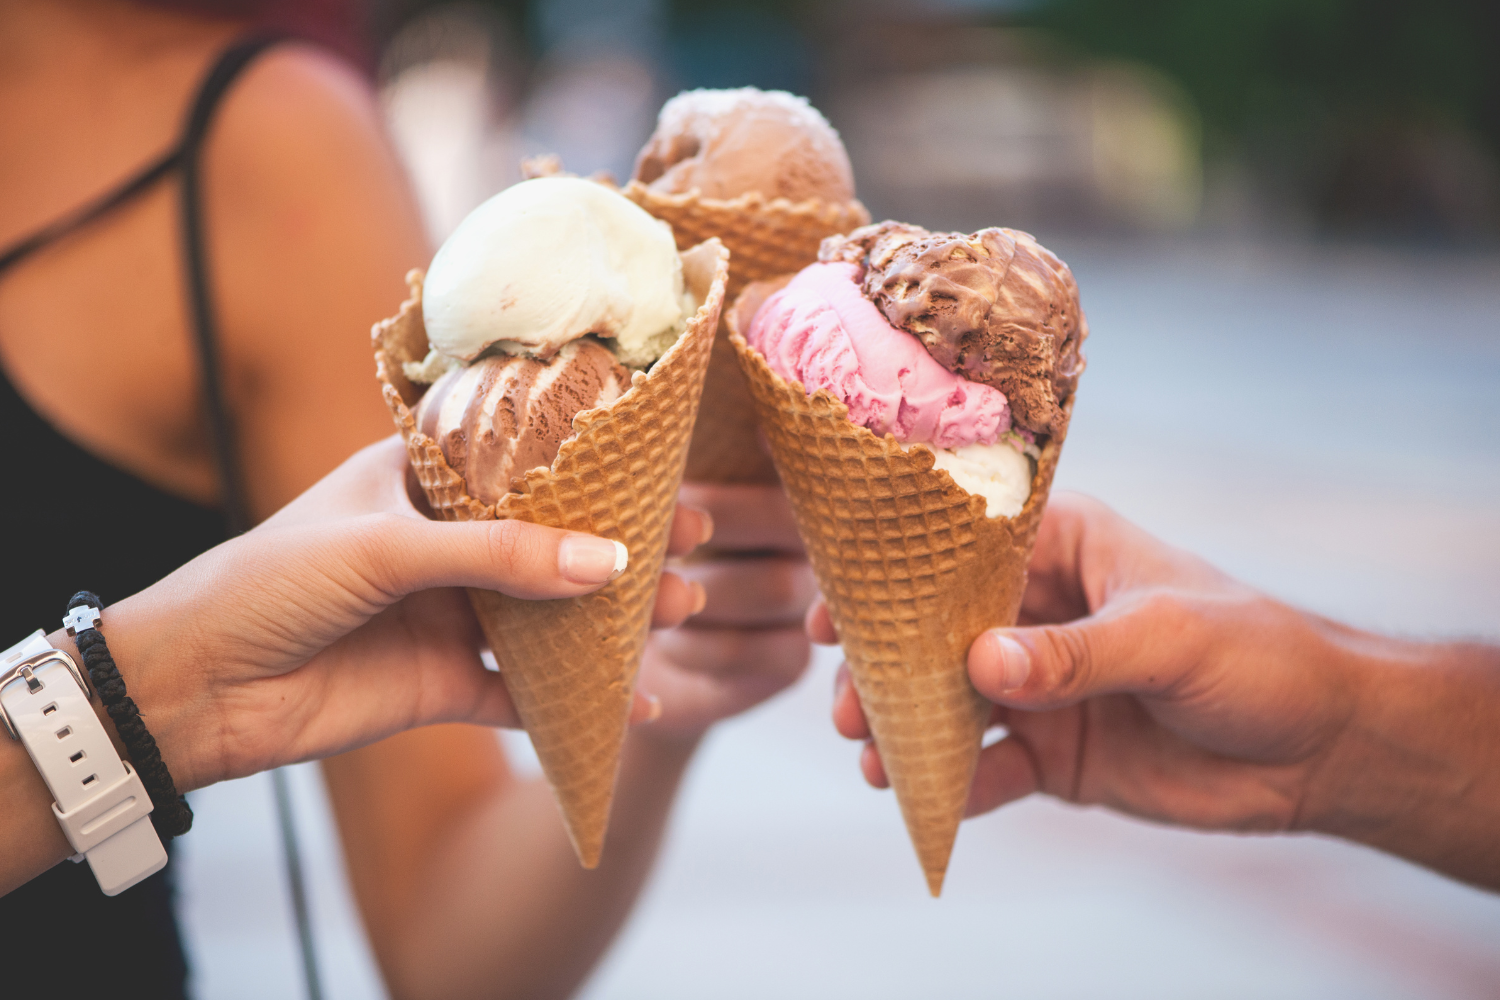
x,y
747,642
338,622
1145,680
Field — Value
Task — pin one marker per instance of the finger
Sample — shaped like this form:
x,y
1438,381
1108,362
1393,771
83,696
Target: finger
x,y
746,517
492,707
644,708
1054,587
1086,553
871,766
1006,772
819,624
372,479
403,555
756,591
700,681
676,600
848,714
414,664
725,653
691,528
1145,644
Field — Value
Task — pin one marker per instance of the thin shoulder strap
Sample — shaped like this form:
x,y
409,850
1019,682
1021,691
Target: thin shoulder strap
x,y
195,259
143,180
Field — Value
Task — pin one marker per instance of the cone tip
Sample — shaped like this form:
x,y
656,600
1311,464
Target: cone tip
x,y
935,882
588,857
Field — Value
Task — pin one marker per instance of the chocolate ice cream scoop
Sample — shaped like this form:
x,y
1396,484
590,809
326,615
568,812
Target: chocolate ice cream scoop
x,y
726,143
994,306
504,415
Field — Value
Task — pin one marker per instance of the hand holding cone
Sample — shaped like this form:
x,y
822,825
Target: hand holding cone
x,y
912,570
571,665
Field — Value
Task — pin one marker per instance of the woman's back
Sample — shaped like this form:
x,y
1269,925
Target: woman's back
x,y
94,329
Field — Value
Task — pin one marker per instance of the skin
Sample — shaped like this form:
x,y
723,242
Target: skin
x,y
311,228
492,901
322,630
1145,680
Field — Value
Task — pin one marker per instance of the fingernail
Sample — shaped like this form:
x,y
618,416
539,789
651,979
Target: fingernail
x,y
1015,662
707,531
653,712
700,597
587,560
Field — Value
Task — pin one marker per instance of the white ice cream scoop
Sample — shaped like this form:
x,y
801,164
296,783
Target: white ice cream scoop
x,y
999,472
545,262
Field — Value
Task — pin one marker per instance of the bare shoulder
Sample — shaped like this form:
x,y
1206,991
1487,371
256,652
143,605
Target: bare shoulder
x,y
312,226
298,104
300,174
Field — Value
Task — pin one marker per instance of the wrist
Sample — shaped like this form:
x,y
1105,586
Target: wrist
x,y
1342,795
159,678
651,769
1408,773
34,841
665,746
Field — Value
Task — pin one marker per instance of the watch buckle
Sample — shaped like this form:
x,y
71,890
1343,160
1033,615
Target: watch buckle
x,y
25,671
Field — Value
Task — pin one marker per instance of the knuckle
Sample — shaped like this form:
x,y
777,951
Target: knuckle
x,y
1178,619
1070,662
371,540
1166,608
787,589
512,546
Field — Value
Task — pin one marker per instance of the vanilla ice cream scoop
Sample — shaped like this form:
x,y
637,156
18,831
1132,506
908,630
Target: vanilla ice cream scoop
x,y
548,260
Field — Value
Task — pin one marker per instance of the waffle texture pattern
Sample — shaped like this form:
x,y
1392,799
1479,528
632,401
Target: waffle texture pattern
x,y
571,665
912,571
765,238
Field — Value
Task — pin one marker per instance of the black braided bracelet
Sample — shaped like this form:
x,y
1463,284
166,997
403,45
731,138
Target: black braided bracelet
x,y
171,816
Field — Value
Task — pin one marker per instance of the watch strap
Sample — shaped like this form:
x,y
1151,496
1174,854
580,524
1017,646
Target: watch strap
x,y
99,800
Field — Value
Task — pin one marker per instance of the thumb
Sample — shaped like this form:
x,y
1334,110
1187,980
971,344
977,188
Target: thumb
x,y
1142,646
528,561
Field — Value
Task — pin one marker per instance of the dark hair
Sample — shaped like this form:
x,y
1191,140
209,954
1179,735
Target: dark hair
x,y
340,25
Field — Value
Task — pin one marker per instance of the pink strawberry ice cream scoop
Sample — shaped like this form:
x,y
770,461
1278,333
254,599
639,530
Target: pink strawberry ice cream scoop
x,y
994,306
822,331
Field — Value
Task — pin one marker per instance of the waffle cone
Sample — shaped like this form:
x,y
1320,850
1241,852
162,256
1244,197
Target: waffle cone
x,y
912,570
570,665
765,238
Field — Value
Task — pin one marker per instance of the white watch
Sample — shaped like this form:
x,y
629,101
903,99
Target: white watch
x,y
99,800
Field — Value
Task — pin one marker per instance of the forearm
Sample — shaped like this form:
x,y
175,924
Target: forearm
x,y
33,840
505,910
1417,770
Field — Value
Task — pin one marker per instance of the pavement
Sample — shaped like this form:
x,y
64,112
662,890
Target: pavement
x,y
1319,421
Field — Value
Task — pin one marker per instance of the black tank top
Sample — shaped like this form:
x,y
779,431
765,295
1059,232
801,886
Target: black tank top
x,y
104,530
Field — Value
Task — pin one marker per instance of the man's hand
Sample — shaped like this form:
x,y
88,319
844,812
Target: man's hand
x,y
1143,679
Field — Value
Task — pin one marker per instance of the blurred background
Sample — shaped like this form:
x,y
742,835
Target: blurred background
x,y
1284,216
1377,118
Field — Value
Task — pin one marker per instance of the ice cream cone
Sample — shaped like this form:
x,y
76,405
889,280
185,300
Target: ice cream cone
x,y
765,238
912,570
570,665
